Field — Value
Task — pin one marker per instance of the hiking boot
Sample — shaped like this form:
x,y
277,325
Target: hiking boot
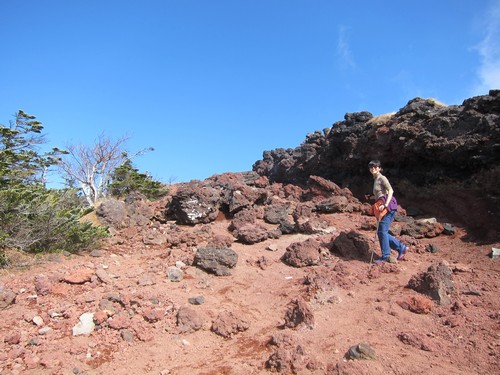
x,y
381,260
402,254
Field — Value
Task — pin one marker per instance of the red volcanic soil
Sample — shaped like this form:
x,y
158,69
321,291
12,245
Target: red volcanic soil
x,y
265,317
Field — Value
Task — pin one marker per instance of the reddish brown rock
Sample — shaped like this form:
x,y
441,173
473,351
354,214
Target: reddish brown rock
x,y
13,339
303,254
188,320
417,304
119,321
80,276
43,285
228,324
299,314
152,315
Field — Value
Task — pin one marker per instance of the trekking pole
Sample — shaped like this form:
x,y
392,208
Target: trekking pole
x,y
375,239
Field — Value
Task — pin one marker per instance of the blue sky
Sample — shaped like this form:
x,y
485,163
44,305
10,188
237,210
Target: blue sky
x,y
211,84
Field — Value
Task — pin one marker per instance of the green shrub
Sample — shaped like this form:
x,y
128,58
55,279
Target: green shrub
x,y
35,219
127,179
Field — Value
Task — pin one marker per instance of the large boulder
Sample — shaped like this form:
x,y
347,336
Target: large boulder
x,y
352,245
195,203
113,212
133,211
436,283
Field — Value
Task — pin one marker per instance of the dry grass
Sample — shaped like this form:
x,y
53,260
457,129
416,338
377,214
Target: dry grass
x,y
381,119
92,218
437,103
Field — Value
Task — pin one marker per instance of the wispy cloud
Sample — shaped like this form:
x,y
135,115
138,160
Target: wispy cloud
x,y
343,49
489,52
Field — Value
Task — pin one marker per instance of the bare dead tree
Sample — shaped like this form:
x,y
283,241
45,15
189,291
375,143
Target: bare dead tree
x,y
91,167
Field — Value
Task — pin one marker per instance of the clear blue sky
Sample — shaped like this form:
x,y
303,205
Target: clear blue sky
x,y
211,84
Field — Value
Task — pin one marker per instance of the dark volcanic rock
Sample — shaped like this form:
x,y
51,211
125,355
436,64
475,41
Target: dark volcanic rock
x,y
216,260
352,245
195,203
427,149
252,233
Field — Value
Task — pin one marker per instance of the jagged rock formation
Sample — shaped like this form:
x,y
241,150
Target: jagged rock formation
x,y
428,150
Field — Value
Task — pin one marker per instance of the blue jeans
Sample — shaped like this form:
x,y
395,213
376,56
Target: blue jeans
x,y
388,242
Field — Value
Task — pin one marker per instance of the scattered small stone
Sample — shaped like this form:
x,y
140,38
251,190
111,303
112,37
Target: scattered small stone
x,y
215,260
56,258
103,276
38,320
361,351
392,259
299,314
119,321
495,253
146,279
448,229
180,264
175,274
44,330
153,314
417,304
472,292
13,339
85,325
431,220
100,317
96,253
80,276
127,335
188,320
272,247
43,285
200,300
431,248
7,297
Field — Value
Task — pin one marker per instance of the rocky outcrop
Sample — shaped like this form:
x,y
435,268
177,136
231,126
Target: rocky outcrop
x,y
427,149
423,142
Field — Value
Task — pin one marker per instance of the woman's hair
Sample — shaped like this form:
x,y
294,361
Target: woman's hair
x,y
375,163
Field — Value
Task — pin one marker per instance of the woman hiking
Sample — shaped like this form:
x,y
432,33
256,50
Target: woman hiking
x,y
383,192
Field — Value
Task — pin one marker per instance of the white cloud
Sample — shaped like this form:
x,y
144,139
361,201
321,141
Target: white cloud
x,y
489,52
343,48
